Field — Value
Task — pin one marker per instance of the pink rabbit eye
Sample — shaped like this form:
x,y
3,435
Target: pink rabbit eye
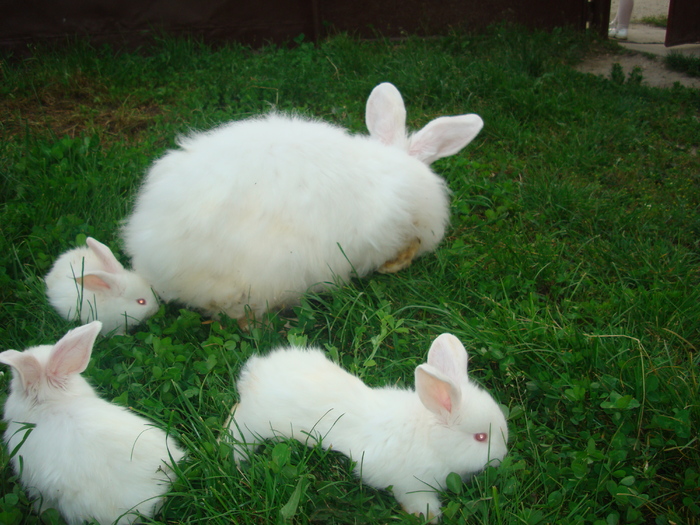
x,y
482,436
141,301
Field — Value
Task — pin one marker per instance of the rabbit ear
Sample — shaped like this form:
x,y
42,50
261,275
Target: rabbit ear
x,y
447,354
98,281
26,365
71,354
443,137
385,115
105,255
437,392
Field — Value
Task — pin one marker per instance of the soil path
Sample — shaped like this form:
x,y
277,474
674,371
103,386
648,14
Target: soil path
x,y
644,49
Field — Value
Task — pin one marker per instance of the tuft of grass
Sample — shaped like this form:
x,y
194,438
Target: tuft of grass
x,y
677,61
656,21
570,269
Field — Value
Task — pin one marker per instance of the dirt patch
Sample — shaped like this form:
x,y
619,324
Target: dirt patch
x,y
79,106
654,72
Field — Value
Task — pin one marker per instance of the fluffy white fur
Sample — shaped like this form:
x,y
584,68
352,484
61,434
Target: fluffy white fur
x,y
89,283
398,437
254,213
85,457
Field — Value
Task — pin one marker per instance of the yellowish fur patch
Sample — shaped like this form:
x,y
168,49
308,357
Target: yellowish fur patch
x,y
402,260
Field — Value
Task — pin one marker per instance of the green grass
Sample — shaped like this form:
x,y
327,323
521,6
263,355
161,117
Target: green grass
x,y
656,21
570,271
690,65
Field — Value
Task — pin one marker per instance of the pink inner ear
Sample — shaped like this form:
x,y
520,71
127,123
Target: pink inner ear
x,y
436,392
444,399
92,282
26,365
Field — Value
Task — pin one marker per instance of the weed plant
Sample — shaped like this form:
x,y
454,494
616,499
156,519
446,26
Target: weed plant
x,y
570,271
690,65
656,20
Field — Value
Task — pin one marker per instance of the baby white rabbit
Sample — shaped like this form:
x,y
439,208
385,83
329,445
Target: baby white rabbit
x,y
79,454
400,438
89,283
252,214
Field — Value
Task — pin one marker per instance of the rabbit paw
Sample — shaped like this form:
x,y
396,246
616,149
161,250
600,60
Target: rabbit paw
x,y
252,319
430,518
245,322
419,502
402,260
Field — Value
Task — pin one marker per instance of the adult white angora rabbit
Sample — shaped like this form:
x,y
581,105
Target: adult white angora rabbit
x,y
89,283
250,215
75,452
400,438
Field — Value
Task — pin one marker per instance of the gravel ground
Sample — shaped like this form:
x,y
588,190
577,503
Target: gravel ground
x,y
643,8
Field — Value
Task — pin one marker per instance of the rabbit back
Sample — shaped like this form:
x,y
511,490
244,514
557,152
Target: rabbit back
x,y
294,392
256,212
299,393
106,463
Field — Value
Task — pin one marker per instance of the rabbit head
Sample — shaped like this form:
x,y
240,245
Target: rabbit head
x,y
470,425
90,283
